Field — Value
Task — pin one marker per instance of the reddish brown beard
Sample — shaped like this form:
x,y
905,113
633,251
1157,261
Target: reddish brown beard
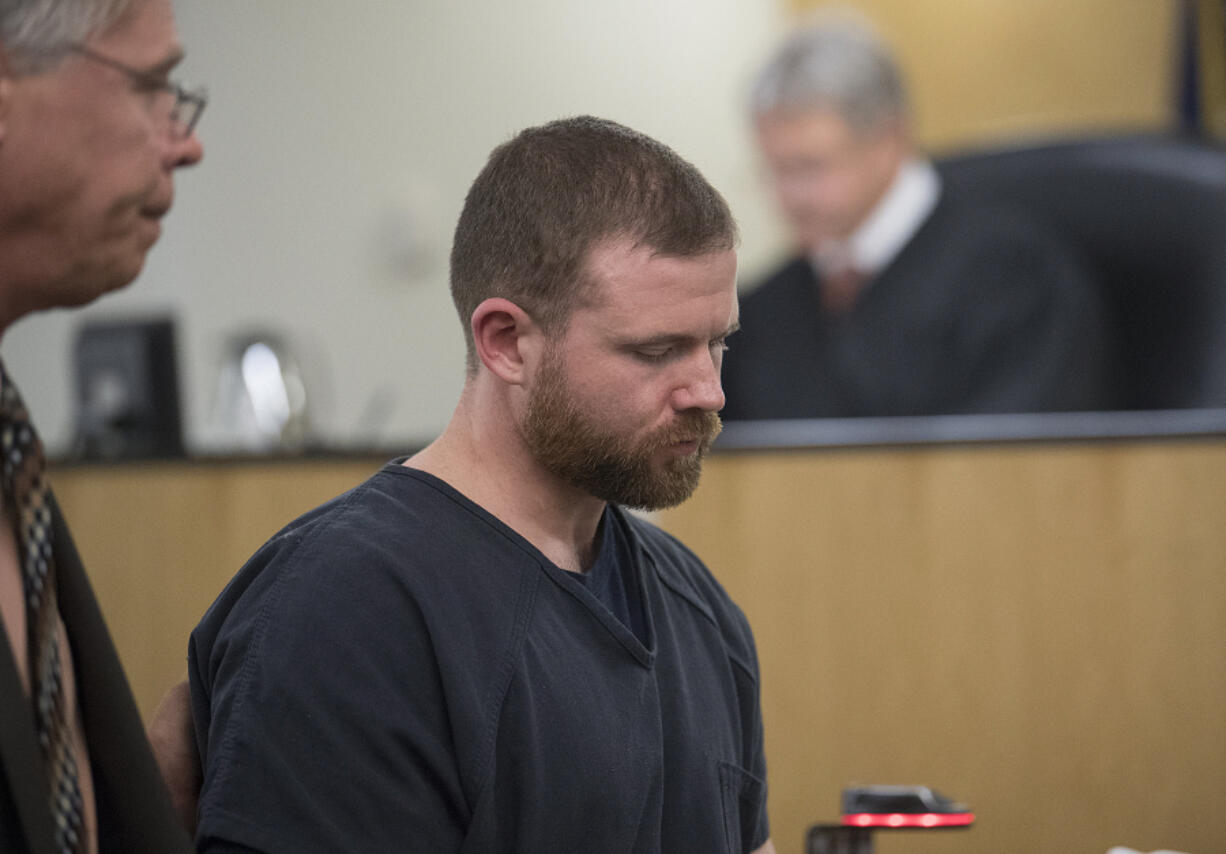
x,y
578,449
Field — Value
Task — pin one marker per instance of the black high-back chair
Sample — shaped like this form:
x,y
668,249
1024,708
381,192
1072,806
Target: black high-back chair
x,y
1149,215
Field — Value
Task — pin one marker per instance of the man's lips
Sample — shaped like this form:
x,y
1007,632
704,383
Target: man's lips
x,y
686,446
157,207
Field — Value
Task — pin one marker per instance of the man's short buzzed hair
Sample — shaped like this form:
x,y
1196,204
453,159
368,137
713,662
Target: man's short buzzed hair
x,y
550,195
36,34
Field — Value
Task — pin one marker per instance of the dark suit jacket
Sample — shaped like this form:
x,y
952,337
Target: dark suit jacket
x,y
134,810
982,311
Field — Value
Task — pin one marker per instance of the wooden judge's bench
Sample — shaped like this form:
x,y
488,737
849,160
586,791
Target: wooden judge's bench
x,y
1027,613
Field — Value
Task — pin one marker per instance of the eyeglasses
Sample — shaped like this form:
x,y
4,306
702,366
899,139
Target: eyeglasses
x,y
188,105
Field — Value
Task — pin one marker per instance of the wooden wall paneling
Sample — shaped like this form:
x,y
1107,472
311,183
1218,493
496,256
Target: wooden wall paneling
x,y
995,70
1038,630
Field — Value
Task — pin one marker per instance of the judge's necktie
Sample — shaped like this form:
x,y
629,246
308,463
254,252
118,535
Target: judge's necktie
x,y
840,289
26,493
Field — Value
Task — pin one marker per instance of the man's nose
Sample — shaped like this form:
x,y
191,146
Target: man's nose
x,y
702,388
184,151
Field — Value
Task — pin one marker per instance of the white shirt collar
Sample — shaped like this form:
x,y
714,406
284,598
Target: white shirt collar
x,y
905,206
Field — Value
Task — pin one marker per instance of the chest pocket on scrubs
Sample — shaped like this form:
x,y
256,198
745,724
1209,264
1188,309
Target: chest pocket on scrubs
x,y
742,794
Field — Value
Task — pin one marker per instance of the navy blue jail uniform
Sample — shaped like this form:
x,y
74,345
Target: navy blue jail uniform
x,y
397,670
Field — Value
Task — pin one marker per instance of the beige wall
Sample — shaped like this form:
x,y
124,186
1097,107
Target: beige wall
x,y
340,139
982,70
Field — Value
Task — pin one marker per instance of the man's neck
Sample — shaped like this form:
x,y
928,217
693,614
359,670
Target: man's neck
x,y
485,460
903,208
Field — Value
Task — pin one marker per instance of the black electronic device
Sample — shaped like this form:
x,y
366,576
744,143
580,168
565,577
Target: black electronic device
x,y
876,807
902,806
127,390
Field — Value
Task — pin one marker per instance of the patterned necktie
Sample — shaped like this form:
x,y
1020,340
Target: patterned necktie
x,y
27,494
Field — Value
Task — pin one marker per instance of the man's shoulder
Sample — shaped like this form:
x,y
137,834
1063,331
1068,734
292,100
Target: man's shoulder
x,y
965,215
346,646
979,247
399,515
400,538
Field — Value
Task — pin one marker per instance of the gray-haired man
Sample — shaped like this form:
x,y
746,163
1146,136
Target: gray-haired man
x,y
91,132
904,297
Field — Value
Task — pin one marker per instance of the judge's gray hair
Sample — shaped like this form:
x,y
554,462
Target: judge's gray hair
x,y
36,34
837,62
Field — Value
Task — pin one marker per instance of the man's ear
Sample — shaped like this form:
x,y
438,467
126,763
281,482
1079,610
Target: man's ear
x,y
506,338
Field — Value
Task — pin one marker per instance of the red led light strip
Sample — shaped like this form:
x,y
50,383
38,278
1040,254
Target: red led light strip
x,y
898,819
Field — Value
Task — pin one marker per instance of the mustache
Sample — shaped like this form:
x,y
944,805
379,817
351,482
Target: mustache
x,y
694,425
